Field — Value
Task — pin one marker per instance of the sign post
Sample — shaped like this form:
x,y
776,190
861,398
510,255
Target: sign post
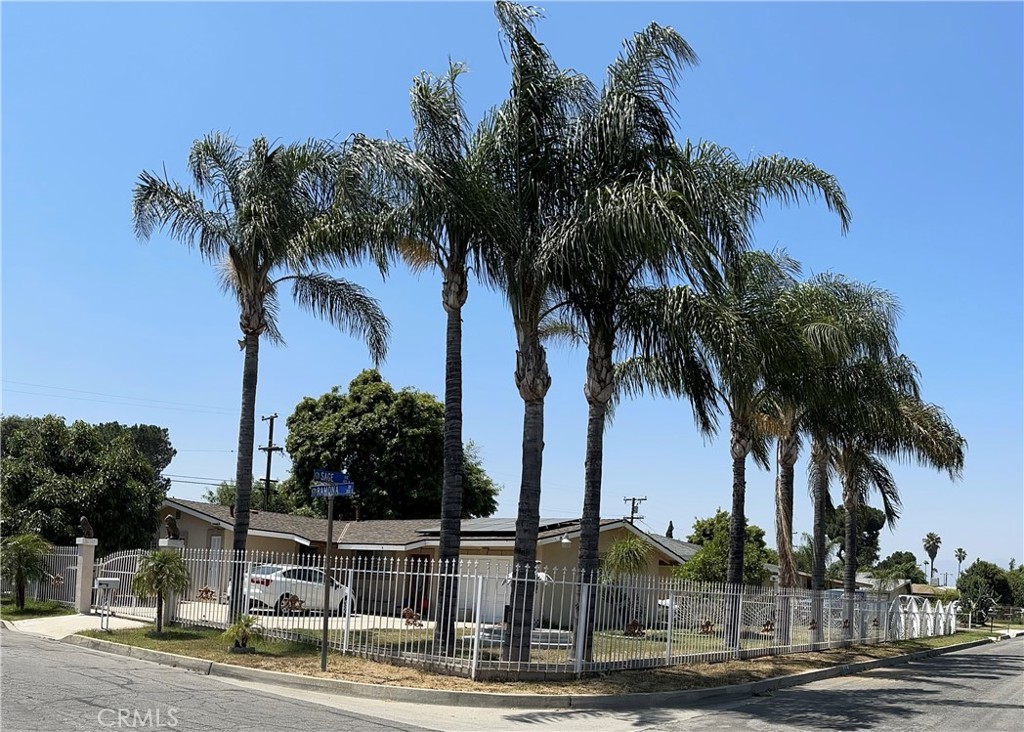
x,y
328,484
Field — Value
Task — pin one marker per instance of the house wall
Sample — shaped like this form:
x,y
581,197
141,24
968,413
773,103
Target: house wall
x,y
198,533
556,603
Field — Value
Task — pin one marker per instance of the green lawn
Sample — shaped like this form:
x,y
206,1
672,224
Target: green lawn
x,y
33,609
199,642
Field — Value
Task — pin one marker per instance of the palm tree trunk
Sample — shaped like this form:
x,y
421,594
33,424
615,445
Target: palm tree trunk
x,y
850,501
739,447
19,592
454,293
243,467
598,390
819,494
786,455
788,451
159,612
533,382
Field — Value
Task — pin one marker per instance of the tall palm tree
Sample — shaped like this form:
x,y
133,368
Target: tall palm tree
x,y
266,217
23,560
892,422
960,555
439,209
931,546
619,152
523,143
161,573
841,319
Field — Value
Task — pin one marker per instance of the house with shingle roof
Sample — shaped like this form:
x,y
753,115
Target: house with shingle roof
x,y
211,526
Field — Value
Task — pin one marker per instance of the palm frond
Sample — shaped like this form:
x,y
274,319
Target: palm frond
x,y
159,203
345,305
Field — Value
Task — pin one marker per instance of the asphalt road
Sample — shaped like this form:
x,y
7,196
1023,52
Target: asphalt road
x,y
48,686
54,687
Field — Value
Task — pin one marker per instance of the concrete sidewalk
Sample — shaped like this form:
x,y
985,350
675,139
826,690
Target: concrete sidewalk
x,y
61,626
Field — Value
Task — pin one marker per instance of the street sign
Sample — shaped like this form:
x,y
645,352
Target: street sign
x,y
326,490
329,476
328,483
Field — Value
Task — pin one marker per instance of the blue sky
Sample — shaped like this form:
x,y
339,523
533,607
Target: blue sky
x,y
916,108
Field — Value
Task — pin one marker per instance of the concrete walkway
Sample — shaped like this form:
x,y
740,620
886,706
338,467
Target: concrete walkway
x,y
61,626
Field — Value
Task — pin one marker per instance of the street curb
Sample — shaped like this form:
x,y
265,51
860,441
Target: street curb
x,y
481,699
187,663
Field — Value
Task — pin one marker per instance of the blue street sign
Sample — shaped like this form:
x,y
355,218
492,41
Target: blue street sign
x,y
327,483
329,476
326,490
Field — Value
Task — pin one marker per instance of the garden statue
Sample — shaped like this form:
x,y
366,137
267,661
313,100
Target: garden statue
x,y
172,527
85,527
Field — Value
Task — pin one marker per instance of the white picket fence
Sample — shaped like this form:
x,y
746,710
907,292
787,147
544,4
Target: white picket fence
x,y
59,583
386,609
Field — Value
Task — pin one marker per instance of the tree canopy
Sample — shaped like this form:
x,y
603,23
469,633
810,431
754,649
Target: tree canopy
x,y
392,444
900,565
54,473
709,564
870,522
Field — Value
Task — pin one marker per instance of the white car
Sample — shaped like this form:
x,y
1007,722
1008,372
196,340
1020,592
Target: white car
x,y
288,588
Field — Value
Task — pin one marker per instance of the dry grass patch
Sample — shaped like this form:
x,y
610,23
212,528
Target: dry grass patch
x,y
303,659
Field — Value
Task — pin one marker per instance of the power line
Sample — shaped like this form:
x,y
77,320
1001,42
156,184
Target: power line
x,y
119,404
116,396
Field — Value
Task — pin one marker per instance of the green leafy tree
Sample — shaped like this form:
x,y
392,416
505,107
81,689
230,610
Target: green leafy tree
x,y
931,544
265,217
53,473
989,575
280,497
153,442
870,522
23,560
710,563
392,444
1015,581
161,573
900,565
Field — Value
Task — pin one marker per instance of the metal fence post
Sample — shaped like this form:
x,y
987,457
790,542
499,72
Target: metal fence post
x,y
477,604
349,577
671,624
581,625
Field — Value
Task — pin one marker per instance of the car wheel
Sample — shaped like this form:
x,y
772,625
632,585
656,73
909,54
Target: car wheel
x,y
279,605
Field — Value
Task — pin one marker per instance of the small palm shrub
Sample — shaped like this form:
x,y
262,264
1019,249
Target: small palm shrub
x,y
160,573
243,631
22,560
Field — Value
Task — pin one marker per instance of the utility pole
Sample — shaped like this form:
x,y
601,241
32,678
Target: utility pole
x,y
634,506
270,449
